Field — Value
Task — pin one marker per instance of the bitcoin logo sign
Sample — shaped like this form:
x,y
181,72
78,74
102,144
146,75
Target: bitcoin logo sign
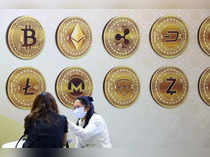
x,y
169,86
204,36
23,85
25,37
71,83
121,87
73,37
169,36
121,37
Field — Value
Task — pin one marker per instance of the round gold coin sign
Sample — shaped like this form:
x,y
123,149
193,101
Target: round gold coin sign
x,y
71,83
25,37
169,87
121,87
23,85
73,37
121,37
204,86
169,36
204,36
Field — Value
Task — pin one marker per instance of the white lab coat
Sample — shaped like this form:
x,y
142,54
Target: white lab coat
x,y
95,134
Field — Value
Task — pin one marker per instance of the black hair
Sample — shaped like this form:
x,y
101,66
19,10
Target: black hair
x,y
87,101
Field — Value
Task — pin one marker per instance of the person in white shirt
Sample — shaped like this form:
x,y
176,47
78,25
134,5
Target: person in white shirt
x,y
90,129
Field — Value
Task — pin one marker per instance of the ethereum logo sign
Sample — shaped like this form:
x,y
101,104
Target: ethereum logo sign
x,y
77,36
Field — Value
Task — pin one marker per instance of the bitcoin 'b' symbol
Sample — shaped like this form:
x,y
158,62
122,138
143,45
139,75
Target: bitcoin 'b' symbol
x,y
169,91
27,87
27,36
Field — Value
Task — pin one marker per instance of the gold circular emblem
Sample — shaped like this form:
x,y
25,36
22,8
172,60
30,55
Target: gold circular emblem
x,y
204,36
71,83
121,37
204,86
169,36
23,85
169,86
25,37
121,87
73,37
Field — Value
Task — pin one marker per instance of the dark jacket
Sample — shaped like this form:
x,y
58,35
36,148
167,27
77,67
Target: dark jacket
x,y
42,134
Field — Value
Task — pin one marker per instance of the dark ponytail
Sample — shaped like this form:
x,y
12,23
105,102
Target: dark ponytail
x,y
87,101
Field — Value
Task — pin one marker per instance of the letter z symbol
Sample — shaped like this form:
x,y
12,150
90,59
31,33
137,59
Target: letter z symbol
x,y
169,91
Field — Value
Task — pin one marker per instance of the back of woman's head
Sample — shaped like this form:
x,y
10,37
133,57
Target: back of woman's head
x,y
44,102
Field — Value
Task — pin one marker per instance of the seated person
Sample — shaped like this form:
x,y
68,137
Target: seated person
x,y
91,129
44,127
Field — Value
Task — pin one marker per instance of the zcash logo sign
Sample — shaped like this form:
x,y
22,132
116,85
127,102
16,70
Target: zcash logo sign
x,y
169,86
169,90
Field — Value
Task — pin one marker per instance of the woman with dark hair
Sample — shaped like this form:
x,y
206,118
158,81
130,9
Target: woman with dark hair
x,y
91,129
44,127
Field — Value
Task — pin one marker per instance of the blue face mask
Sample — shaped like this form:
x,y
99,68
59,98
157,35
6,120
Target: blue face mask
x,y
80,112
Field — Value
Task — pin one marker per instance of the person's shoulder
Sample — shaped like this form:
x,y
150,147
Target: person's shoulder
x,y
96,117
62,116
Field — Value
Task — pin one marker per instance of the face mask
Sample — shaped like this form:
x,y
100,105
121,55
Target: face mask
x,y
79,112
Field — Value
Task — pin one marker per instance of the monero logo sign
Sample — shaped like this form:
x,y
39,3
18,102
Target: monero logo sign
x,y
76,86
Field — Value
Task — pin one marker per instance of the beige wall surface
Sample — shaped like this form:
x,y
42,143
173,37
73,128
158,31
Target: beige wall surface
x,y
105,4
145,124
11,130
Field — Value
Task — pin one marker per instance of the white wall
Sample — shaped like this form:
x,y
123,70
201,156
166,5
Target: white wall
x,y
145,124
105,4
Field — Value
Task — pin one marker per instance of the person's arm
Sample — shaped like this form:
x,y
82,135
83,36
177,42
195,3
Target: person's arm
x,y
94,127
65,139
65,131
